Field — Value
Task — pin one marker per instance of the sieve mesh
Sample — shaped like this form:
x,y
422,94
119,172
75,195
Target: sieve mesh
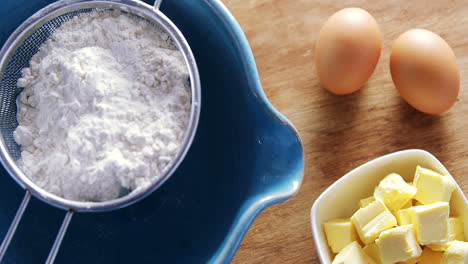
x,y
9,90
26,41
16,54
8,85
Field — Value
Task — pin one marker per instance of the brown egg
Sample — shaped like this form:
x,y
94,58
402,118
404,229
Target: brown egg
x,y
425,71
347,50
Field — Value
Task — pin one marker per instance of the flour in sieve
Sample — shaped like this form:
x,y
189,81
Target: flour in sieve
x,y
105,107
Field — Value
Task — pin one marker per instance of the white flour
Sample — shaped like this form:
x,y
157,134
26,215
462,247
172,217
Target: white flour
x,y
104,108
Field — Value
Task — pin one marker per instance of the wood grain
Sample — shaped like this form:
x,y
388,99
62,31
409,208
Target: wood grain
x,y
342,132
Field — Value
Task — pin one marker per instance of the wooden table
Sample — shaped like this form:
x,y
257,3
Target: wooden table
x,y
342,132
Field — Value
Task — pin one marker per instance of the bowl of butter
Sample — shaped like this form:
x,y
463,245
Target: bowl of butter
x,y
403,207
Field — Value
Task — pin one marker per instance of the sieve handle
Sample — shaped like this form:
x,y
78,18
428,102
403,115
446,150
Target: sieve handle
x,y
58,240
14,224
157,4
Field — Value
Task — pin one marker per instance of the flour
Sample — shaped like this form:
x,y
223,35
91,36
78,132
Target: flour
x,y
104,109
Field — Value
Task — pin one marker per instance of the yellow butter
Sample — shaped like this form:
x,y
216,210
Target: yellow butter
x,y
408,204
432,186
365,202
431,222
429,256
339,232
403,216
439,247
352,254
394,192
398,244
456,229
455,233
456,253
410,261
372,250
371,220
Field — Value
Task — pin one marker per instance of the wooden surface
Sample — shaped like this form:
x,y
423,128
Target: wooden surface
x,y
340,133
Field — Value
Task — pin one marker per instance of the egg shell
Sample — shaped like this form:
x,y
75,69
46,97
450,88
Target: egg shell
x,y
347,50
424,70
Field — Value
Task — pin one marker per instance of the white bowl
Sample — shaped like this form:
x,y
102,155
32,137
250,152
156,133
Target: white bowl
x,y
341,199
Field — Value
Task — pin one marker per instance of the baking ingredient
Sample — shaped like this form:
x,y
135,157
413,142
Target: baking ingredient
x,y
455,233
411,260
371,220
352,254
440,247
339,232
372,250
407,204
429,256
347,50
457,253
424,70
431,222
456,229
403,216
429,227
366,201
104,108
432,186
398,244
394,192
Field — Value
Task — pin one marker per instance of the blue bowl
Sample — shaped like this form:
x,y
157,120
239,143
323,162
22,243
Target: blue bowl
x,y
245,157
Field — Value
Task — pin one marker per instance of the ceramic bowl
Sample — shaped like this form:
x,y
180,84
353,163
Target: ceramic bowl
x,y
245,157
341,199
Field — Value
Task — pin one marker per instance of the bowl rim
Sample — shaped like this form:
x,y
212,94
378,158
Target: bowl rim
x,y
313,212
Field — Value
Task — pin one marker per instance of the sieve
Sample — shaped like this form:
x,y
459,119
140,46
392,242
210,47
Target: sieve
x,y
15,55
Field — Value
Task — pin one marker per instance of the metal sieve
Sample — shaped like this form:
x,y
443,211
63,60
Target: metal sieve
x,y
15,55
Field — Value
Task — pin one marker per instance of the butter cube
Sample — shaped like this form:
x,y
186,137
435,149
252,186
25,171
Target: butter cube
x,y
431,222
429,256
456,229
456,253
371,220
398,244
411,261
455,233
352,254
373,251
432,187
404,217
408,204
339,232
394,192
439,247
366,201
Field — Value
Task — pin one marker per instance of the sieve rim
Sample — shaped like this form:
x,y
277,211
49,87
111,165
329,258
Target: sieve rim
x,y
140,9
